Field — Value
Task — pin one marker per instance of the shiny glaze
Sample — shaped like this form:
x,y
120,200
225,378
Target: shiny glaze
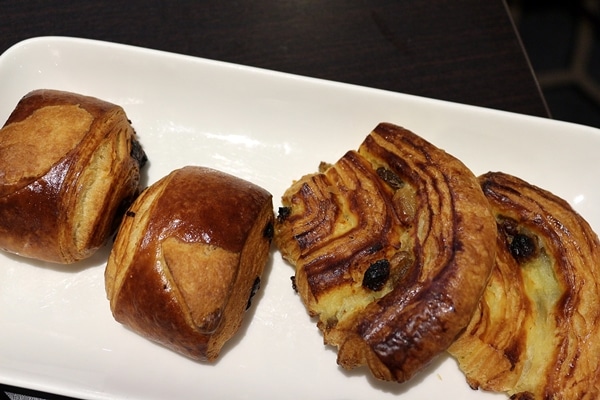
x,y
188,257
538,324
46,212
427,216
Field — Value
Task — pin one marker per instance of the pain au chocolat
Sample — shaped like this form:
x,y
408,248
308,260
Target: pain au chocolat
x,y
69,166
188,257
391,248
536,331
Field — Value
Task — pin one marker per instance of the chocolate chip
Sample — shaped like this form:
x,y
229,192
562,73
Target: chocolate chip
x,y
268,232
293,278
283,213
138,154
255,288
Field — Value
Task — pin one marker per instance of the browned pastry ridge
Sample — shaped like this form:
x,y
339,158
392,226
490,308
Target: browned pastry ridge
x,y
536,331
69,166
391,247
188,257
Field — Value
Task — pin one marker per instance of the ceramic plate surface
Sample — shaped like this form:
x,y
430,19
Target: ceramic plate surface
x,y
56,330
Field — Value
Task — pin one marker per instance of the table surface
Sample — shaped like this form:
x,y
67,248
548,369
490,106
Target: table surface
x,y
464,51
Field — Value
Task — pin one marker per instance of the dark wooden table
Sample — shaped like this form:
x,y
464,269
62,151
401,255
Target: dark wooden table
x,y
465,51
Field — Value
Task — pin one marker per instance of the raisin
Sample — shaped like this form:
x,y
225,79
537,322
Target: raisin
x,y
400,266
253,291
390,178
130,214
376,275
283,213
522,247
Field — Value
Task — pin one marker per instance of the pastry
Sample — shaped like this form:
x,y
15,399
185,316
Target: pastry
x,y
536,331
188,257
69,167
391,250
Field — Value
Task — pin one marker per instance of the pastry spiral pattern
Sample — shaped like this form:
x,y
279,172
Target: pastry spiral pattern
x,y
536,331
391,250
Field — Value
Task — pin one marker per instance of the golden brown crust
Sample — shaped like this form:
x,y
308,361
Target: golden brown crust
x,y
68,170
187,258
390,246
536,333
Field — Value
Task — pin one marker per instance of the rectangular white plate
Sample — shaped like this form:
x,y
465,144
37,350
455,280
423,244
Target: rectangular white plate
x,y
56,330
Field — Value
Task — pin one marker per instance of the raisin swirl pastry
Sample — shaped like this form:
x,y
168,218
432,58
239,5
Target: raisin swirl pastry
x,y
69,167
536,331
188,257
391,250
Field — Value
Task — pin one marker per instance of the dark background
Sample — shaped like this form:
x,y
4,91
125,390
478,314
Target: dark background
x,y
562,38
458,50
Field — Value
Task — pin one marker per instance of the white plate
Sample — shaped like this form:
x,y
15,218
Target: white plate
x,y
56,330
